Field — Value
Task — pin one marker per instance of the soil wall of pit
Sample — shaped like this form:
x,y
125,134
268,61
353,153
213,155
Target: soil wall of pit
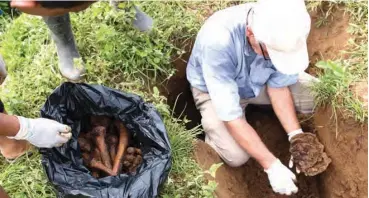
x,y
250,180
346,142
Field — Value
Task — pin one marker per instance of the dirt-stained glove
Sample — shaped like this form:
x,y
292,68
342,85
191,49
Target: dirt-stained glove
x,y
307,153
43,133
281,178
3,72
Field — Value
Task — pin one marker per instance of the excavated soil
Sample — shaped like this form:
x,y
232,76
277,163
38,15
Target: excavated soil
x,y
360,91
250,181
346,142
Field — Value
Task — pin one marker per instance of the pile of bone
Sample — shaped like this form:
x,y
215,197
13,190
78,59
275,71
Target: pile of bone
x,y
105,148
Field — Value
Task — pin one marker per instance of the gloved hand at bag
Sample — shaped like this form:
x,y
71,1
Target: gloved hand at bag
x,y
281,178
43,133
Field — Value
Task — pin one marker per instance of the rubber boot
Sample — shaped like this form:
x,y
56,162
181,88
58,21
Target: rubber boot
x,y
3,72
142,21
63,37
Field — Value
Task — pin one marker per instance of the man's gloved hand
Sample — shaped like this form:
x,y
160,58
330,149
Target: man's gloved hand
x,y
281,178
43,133
307,153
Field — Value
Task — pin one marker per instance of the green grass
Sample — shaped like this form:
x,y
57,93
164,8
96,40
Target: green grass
x,y
325,10
116,55
338,76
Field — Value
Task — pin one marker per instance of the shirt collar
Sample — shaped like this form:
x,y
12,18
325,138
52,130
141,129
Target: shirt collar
x,y
248,48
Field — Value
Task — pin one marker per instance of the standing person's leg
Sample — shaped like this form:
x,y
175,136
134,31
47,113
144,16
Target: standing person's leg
x,y
142,21
63,37
216,133
301,92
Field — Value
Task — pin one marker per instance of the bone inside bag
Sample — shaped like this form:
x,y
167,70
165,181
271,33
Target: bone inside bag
x,y
107,148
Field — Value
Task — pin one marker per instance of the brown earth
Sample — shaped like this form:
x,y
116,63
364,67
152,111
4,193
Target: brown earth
x,y
360,91
250,181
327,41
346,142
177,89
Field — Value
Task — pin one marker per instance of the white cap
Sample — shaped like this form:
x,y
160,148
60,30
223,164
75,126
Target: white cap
x,y
283,26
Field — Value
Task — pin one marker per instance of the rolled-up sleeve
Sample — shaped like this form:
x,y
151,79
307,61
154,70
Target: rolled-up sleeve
x,y
279,80
219,73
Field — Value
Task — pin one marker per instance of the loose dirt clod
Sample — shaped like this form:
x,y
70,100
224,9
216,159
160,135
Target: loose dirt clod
x,y
84,144
130,150
95,174
100,121
308,154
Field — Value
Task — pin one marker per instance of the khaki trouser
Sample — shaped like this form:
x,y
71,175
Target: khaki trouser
x,y
217,135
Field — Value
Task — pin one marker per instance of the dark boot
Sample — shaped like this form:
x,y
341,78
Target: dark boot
x,y
142,21
63,37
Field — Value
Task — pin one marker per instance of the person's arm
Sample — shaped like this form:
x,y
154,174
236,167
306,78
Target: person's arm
x,y
249,140
9,125
282,101
41,132
284,108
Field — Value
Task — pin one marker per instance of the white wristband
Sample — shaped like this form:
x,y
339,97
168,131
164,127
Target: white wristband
x,y
271,168
23,129
293,133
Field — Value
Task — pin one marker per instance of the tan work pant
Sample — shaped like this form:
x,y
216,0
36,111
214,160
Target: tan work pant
x,y
217,135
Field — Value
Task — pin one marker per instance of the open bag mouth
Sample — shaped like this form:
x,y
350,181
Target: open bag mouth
x,y
73,104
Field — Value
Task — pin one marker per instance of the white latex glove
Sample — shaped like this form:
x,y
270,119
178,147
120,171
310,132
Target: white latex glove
x,y
43,133
290,136
281,178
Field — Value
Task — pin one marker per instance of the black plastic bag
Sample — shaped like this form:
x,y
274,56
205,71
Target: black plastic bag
x,y
72,104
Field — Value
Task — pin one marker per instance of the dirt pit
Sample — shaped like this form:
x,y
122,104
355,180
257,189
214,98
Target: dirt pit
x,y
345,177
249,180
